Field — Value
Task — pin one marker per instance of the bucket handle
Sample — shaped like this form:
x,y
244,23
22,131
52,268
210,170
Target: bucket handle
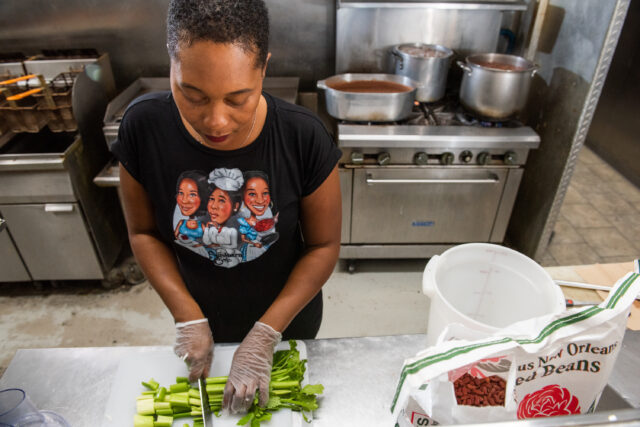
x,y
429,276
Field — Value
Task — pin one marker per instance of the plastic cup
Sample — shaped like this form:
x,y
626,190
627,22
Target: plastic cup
x,y
16,409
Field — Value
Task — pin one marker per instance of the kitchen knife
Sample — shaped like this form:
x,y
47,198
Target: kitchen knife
x,y
207,418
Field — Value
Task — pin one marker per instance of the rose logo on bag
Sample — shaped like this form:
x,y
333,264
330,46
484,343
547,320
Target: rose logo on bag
x,y
548,401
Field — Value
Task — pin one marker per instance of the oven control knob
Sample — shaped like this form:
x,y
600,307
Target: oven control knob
x,y
510,158
447,158
466,156
421,158
384,158
357,157
483,158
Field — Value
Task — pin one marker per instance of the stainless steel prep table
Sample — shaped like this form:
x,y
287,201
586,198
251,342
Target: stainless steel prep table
x,y
359,376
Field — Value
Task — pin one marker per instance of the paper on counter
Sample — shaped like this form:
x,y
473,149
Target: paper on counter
x,y
607,275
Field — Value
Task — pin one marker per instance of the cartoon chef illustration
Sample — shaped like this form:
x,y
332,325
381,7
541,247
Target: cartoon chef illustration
x,y
188,228
220,236
256,221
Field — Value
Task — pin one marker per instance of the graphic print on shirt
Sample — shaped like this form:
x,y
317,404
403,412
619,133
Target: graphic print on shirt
x,y
226,216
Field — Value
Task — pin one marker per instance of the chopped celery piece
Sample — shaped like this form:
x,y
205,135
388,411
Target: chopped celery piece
x,y
175,388
182,414
150,392
161,405
164,412
181,409
145,397
195,402
142,420
161,394
216,380
151,384
196,413
179,401
163,421
215,388
194,392
145,407
182,380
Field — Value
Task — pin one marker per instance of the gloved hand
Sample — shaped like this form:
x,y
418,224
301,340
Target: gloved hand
x,y
251,369
194,344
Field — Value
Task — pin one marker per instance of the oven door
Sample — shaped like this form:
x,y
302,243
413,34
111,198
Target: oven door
x,y
425,204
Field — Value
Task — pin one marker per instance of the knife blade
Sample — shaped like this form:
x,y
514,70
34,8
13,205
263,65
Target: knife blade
x,y
207,418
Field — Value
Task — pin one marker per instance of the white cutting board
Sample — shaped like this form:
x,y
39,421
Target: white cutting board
x,y
164,366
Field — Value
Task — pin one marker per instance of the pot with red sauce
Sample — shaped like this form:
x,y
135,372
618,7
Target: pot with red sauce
x,y
369,97
495,86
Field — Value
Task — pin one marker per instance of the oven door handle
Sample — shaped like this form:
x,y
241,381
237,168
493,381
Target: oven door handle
x,y
492,179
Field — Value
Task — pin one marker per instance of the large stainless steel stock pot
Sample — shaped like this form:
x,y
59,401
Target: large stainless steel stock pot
x,y
428,64
495,86
369,97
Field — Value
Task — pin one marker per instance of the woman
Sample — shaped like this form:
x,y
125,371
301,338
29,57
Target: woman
x,y
257,224
188,229
221,239
216,116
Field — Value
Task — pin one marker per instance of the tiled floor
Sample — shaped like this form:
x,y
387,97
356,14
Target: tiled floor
x,y
600,217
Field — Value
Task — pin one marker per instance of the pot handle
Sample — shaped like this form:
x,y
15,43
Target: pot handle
x,y
397,58
428,278
322,84
535,69
464,66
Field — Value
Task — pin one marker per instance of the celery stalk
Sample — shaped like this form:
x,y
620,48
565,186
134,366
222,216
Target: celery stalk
x,y
145,407
163,421
142,420
151,384
176,388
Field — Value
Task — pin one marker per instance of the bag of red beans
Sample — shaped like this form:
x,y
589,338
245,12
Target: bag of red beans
x,y
550,365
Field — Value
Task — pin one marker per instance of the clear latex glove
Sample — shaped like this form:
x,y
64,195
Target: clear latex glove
x,y
194,345
251,369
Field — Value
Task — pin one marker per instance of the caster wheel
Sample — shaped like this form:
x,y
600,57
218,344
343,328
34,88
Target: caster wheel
x,y
113,279
351,266
132,272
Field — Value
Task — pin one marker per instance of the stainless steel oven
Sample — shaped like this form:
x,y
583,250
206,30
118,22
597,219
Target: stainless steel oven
x,y
413,189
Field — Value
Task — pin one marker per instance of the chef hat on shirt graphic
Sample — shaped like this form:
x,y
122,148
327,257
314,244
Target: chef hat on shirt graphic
x,y
226,179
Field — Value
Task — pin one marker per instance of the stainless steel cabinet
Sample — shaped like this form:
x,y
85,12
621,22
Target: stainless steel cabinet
x,y
10,263
53,241
425,205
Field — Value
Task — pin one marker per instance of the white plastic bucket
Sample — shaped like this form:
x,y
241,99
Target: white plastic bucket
x,y
485,288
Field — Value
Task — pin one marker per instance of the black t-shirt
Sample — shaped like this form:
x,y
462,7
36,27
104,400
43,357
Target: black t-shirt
x,y
231,217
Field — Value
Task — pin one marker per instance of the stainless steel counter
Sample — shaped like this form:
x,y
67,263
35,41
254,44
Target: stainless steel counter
x,y
359,375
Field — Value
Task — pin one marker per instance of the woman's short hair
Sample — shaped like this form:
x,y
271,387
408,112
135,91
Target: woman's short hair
x,y
241,22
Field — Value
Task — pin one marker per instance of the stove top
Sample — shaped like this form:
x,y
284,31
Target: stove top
x,y
442,124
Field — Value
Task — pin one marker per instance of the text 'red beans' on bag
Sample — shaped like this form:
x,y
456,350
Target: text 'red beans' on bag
x,y
550,365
